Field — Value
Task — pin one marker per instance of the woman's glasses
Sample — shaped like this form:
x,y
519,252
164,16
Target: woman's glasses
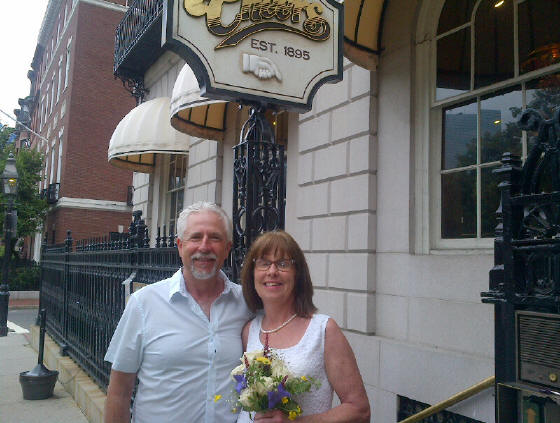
x,y
282,265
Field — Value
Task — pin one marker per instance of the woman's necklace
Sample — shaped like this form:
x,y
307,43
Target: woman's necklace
x,y
266,332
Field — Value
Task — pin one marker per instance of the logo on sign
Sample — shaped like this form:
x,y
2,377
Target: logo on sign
x,y
296,16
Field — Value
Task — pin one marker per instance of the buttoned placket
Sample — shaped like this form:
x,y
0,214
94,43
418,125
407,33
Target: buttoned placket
x,y
213,341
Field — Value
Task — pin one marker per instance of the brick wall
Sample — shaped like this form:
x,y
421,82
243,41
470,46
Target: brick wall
x,y
85,223
97,104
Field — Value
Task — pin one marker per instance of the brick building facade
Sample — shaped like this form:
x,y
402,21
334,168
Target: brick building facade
x,y
76,103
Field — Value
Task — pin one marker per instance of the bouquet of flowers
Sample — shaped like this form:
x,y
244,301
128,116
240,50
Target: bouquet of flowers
x,y
263,382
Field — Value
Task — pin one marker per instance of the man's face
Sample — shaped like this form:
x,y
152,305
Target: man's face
x,y
204,246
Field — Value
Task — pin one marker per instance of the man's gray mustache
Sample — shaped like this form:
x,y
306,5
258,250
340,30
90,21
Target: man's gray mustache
x,y
203,256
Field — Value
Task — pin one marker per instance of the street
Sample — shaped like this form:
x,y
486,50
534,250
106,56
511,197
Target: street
x,y
23,317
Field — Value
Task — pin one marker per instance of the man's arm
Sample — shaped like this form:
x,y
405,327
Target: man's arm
x,y
119,393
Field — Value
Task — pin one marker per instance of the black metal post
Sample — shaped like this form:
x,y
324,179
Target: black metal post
x,y
4,288
66,280
258,185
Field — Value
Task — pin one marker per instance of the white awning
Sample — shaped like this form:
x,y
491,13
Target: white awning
x,y
195,115
144,132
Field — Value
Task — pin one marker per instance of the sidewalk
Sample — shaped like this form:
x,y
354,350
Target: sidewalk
x,y
17,355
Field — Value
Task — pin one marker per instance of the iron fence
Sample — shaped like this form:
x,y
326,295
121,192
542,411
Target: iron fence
x,y
83,293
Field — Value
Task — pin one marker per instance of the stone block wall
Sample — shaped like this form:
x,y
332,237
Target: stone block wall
x,y
331,203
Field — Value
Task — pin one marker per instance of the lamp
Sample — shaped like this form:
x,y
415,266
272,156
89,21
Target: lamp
x,y
9,185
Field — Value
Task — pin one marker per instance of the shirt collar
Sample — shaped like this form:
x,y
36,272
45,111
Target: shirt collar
x,y
178,287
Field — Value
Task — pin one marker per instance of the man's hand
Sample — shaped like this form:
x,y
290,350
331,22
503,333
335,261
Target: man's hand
x,y
119,393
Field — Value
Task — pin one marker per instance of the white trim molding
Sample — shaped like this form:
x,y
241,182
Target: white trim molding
x,y
87,203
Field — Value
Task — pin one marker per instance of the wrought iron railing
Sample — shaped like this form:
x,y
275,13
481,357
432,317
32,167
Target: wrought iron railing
x,y
139,17
82,289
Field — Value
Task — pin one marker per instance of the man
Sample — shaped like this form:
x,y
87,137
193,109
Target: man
x,y
181,336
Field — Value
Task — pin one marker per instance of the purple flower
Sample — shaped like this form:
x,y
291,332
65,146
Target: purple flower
x,y
274,397
241,383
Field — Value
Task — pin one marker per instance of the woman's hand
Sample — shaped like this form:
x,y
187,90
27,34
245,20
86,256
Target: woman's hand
x,y
273,416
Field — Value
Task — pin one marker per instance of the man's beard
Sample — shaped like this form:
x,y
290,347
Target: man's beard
x,y
201,274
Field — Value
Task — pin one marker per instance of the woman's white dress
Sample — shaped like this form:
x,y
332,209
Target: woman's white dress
x,y
306,358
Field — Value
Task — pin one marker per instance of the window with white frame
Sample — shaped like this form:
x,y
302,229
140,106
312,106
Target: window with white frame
x,y
52,93
493,59
67,72
175,189
59,79
59,164
45,169
51,178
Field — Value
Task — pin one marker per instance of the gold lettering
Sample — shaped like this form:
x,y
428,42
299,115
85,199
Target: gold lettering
x,y
314,27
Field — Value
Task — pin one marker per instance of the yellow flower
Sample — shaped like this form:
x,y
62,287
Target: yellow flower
x,y
234,410
298,409
292,415
284,400
303,378
263,360
217,398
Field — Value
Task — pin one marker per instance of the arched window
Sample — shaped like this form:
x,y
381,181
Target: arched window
x,y
493,58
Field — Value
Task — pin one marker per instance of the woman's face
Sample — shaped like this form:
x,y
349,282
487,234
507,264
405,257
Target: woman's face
x,y
275,283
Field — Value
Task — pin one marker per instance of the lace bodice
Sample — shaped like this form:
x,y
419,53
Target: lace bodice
x,y
304,358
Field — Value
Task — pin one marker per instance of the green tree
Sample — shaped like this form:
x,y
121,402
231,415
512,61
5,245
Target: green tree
x,y
30,207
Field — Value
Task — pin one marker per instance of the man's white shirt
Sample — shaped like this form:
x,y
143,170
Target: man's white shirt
x,y
183,360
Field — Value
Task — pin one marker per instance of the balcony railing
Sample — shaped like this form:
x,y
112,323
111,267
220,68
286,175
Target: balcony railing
x,y
138,39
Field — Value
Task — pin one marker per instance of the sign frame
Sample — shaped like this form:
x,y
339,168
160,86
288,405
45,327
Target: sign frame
x,y
208,90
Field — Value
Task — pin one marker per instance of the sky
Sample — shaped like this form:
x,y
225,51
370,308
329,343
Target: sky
x,y
20,21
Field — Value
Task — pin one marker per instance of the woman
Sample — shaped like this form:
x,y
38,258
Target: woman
x,y
277,285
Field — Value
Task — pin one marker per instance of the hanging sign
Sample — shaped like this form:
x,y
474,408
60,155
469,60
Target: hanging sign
x,y
269,51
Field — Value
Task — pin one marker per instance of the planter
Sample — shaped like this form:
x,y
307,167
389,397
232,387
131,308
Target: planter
x,y
38,384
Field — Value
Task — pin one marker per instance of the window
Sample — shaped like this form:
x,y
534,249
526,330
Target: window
x,y
67,72
175,189
51,178
59,79
59,164
492,61
44,178
52,94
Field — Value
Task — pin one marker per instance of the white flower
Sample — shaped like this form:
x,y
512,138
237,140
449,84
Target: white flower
x,y
238,370
265,385
279,368
245,396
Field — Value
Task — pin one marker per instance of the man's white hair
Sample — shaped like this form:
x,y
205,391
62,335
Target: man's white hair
x,y
197,208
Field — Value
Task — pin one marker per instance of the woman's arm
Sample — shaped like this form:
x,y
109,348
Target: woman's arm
x,y
344,376
245,334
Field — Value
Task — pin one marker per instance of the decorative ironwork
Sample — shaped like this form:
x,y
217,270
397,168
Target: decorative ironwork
x,y
408,407
137,44
526,273
528,233
258,185
135,86
139,17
